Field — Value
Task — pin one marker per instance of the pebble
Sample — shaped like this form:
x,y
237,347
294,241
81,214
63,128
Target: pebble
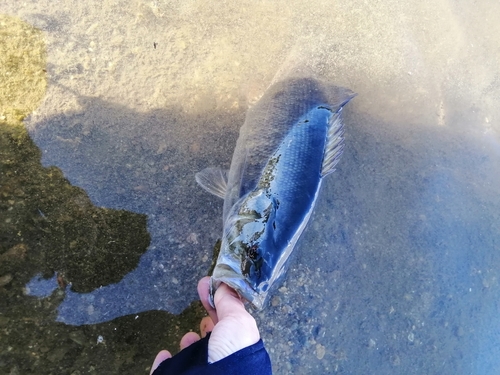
x,y
90,309
57,354
192,238
275,301
372,343
5,279
78,337
15,252
320,351
395,360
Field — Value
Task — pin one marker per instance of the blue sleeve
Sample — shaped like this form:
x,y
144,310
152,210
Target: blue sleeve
x,y
252,360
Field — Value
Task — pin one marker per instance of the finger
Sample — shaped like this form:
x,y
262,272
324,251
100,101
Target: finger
x,y
160,357
228,302
188,339
230,306
206,325
236,329
203,291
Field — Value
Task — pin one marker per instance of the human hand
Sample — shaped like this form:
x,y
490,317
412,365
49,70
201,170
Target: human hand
x,y
232,327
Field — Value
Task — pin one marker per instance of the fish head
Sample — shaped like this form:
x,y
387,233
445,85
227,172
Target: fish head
x,y
245,260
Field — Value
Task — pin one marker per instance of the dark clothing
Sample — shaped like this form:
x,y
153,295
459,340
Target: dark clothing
x,y
252,360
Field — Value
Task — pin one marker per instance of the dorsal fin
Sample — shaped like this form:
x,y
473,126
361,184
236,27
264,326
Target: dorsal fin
x,y
213,180
334,144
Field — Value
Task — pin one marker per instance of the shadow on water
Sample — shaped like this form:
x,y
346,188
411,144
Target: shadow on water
x,y
59,242
143,163
137,239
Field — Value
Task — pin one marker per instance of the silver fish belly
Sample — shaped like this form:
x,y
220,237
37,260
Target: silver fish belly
x,y
291,139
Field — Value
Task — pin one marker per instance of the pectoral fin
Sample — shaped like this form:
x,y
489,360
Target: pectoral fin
x,y
213,180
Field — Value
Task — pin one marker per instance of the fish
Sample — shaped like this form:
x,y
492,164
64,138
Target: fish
x,y
291,139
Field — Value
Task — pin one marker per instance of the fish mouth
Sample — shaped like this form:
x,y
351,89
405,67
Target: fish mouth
x,y
224,273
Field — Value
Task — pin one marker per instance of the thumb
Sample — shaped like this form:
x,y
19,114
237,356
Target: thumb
x,y
236,328
227,302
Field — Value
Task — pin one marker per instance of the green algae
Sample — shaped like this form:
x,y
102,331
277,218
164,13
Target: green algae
x,y
23,77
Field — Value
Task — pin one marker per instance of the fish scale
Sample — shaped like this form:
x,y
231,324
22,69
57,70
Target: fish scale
x,y
301,156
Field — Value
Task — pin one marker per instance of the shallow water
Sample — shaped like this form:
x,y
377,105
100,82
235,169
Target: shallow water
x,y
105,233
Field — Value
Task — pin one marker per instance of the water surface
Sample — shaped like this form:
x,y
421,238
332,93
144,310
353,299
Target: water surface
x,y
105,233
